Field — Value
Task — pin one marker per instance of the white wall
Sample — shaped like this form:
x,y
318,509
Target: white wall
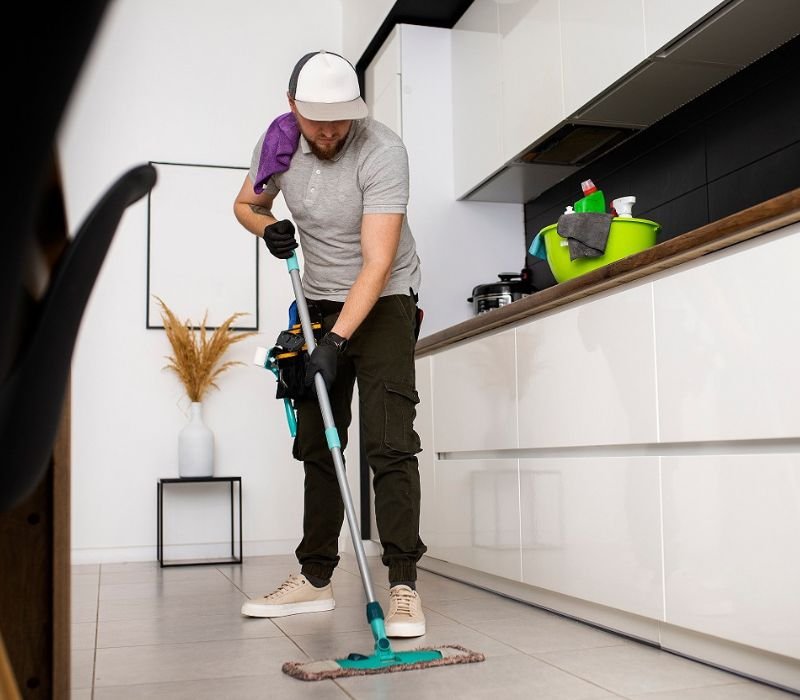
x,y
360,21
192,82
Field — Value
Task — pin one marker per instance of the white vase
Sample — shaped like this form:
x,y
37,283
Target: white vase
x,y
195,446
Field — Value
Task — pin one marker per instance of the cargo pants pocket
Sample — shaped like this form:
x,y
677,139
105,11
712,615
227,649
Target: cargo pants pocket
x,y
400,401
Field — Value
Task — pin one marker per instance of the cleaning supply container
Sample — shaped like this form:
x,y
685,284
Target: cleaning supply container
x,y
593,200
626,236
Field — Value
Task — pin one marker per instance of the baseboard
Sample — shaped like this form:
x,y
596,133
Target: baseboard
x,y
618,621
756,664
213,550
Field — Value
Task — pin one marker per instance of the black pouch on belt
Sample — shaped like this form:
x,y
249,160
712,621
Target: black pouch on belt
x,y
290,355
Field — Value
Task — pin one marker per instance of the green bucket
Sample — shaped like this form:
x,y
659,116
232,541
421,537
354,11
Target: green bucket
x,y
626,237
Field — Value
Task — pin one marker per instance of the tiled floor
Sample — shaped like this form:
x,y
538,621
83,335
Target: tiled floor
x,y
144,632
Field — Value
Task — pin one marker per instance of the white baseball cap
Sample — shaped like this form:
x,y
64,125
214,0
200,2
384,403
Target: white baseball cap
x,y
324,86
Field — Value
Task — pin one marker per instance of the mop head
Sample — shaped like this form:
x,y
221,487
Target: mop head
x,y
358,665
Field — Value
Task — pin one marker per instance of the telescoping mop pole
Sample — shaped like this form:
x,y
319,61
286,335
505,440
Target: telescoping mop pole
x,y
384,659
374,611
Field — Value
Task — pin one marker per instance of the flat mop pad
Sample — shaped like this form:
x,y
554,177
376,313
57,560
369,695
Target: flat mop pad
x,y
357,665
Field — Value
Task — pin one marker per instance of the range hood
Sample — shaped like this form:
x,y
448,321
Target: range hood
x,y
734,36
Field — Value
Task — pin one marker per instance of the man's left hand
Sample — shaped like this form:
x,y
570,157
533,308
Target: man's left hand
x,y
324,359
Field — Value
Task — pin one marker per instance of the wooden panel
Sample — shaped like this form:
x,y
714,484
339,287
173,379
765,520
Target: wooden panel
x,y
61,555
35,585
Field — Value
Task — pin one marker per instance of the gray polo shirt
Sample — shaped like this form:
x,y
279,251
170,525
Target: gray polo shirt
x,y
327,199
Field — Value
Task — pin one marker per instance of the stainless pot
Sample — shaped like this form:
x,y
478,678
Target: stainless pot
x,y
512,286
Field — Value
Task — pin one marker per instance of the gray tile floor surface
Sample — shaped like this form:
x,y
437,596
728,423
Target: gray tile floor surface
x,y
139,631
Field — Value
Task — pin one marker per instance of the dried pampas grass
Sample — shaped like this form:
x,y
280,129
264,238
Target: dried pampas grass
x,y
196,354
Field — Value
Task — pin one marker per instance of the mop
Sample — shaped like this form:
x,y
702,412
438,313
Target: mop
x,y
383,659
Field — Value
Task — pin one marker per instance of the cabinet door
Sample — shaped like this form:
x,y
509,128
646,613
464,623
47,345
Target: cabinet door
x,y
731,528
382,84
591,529
474,395
477,122
600,43
533,101
586,373
477,506
727,330
665,20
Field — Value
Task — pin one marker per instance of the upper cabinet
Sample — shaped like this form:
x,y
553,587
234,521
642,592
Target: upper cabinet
x,y
477,98
664,21
382,84
530,71
544,87
600,42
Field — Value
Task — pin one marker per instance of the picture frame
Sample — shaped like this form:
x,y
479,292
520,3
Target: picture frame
x,y
200,260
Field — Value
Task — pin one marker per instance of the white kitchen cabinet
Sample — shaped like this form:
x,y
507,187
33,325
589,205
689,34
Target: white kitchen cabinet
x,y
382,84
477,502
600,42
476,96
523,69
586,374
530,72
727,332
475,396
664,20
731,533
658,460
591,529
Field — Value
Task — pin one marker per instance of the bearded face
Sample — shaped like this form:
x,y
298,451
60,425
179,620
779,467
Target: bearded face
x,y
325,139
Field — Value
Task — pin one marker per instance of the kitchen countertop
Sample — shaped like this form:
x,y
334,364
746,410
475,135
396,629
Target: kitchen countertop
x,y
749,223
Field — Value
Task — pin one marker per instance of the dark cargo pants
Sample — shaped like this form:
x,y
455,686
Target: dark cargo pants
x,y
380,356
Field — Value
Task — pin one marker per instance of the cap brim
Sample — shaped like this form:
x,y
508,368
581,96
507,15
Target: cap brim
x,y
332,111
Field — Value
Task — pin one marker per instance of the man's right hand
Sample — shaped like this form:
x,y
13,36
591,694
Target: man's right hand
x,y
280,239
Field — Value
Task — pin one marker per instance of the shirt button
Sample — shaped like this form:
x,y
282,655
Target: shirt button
x,y
312,189
318,172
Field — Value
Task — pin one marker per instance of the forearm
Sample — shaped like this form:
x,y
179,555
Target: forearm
x,y
366,290
254,217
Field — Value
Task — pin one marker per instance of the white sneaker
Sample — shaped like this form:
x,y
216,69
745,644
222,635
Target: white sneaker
x,y
405,618
293,596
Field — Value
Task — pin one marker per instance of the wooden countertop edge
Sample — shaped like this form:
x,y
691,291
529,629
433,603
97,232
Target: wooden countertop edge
x,y
749,223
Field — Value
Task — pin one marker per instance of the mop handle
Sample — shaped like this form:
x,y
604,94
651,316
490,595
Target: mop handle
x,y
331,434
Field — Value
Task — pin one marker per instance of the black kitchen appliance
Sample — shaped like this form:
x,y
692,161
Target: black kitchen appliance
x,y
510,287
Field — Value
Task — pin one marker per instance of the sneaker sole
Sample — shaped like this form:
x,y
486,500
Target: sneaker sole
x,y
252,609
405,629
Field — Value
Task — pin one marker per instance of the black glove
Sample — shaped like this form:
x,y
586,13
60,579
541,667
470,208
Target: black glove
x,y
280,239
324,359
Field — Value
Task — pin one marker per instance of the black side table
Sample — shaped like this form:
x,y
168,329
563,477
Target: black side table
x,y
233,559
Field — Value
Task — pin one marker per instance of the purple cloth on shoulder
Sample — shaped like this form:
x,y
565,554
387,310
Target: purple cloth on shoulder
x,y
280,143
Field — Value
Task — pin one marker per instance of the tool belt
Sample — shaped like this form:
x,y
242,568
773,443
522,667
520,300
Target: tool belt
x,y
290,357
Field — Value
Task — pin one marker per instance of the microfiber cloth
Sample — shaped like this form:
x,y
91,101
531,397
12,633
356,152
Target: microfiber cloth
x,y
280,143
537,248
587,233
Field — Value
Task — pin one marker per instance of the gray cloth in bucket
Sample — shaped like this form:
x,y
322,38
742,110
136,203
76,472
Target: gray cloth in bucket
x,y
586,232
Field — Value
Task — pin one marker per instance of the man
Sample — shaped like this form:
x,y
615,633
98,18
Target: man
x,y
346,186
